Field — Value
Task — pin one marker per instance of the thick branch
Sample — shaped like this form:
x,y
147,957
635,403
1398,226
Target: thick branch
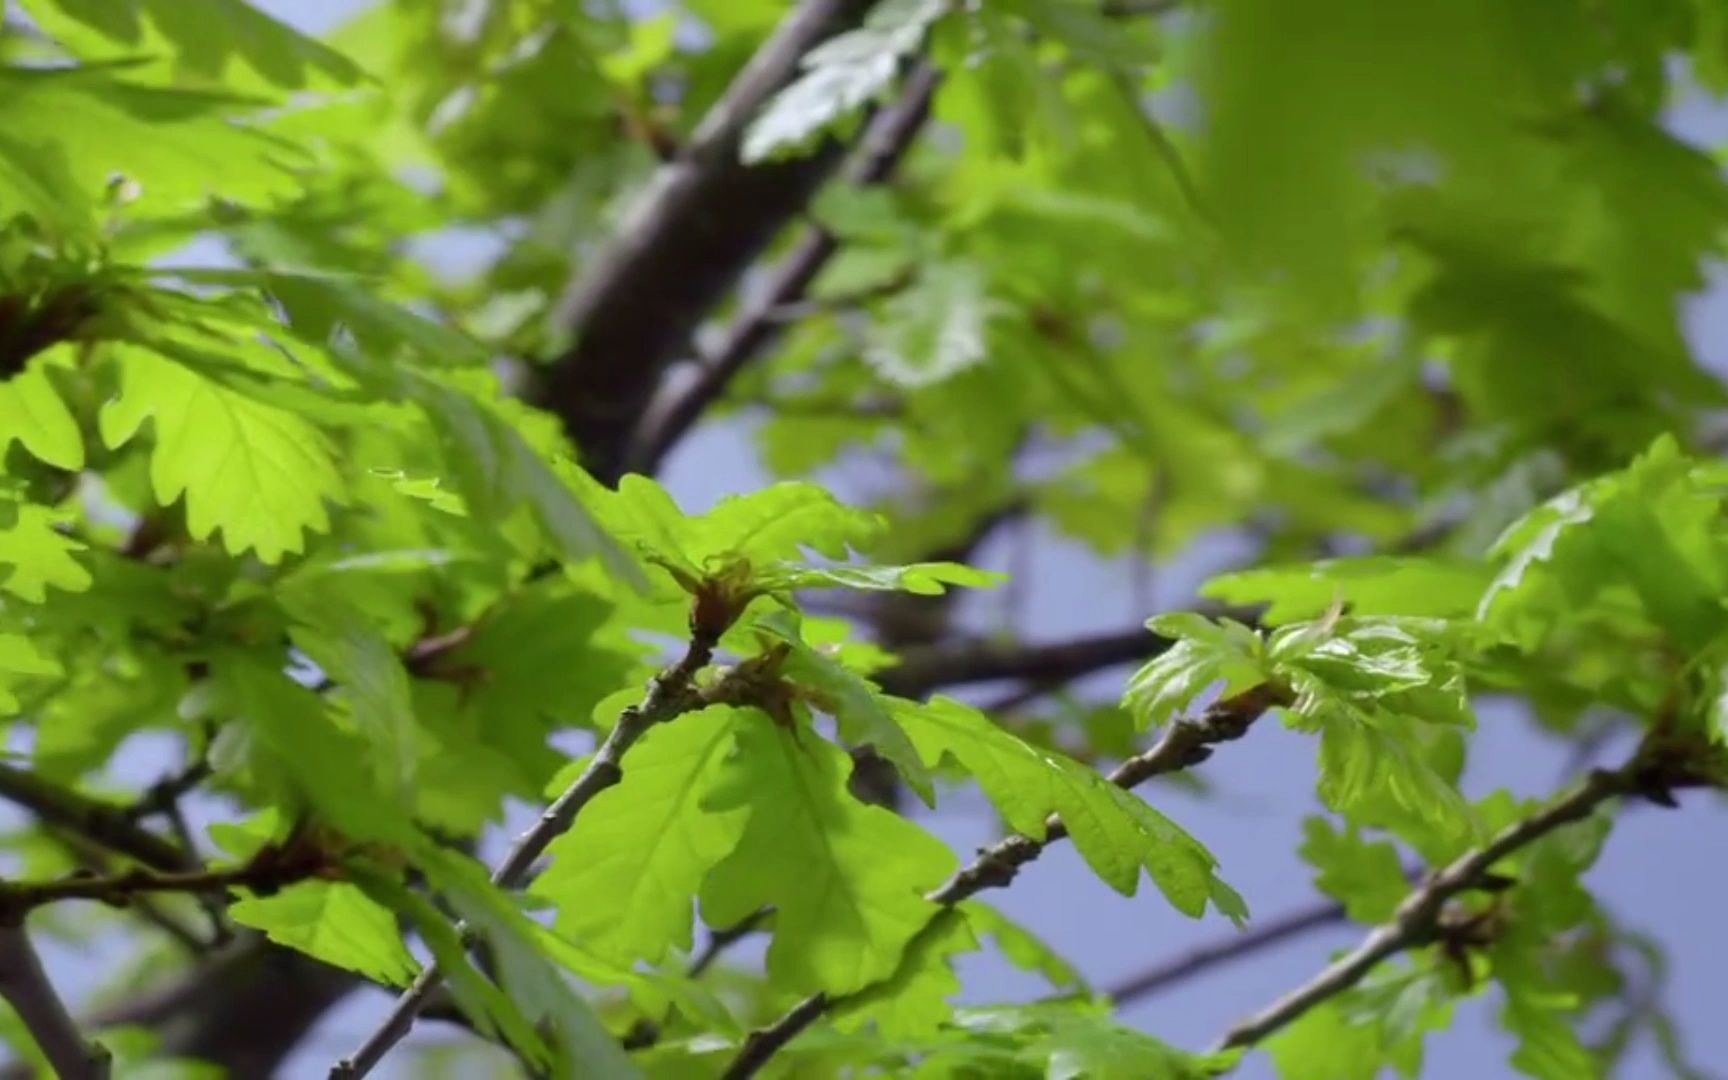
x,y
672,693
890,134
1417,918
703,219
1185,743
25,986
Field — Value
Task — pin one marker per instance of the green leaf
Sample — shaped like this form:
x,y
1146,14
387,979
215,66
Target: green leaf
x,y
624,879
1380,777
846,879
320,765
1073,1040
757,532
840,76
206,35
19,656
1548,1046
1364,876
32,412
178,146
533,663
334,922
258,473
527,973
932,330
920,579
1370,585
1205,653
913,1003
35,178
494,1011
864,715
497,471
1117,833
35,555
343,641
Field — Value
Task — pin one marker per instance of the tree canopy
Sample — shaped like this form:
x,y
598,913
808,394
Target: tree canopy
x,y
336,373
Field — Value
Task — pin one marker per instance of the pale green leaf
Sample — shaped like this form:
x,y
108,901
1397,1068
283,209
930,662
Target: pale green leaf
x,y
334,922
840,76
1116,832
32,412
260,474
527,973
35,555
921,579
624,879
934,329
205,35
846,879
20,657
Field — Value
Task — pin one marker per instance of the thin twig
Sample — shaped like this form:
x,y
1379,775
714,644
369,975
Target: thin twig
x,y
95,861
102,823
646,1032
672,693
1263,935
1416,919
25,986
1185,743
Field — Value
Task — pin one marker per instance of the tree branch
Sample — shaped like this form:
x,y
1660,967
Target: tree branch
x,y
270,870
1184,744
924,670
1648,773
25,986
702,220
672,693
890,134
103,824
1263,935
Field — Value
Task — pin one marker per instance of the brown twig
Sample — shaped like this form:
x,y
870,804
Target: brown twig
x,y
1184,744
1650,773
104,824
1263,935
672,693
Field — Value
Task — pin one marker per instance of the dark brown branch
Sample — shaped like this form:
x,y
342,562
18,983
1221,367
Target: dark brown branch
x,y
704,218
890,134
268,872
1263,935
25,986
925,670
672,693
1184,744
104,824
1649,774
